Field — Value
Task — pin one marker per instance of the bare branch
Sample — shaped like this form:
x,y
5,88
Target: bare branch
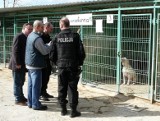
x,y
4,3
16,3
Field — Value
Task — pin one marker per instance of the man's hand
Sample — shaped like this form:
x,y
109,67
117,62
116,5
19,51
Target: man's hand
x,y
50,43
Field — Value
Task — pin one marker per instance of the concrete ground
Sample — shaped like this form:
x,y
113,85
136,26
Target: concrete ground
x,y
94,104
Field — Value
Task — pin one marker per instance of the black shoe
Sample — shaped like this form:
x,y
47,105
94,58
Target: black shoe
x,y
22,103
64,112
48,95
24,99
75,114
43,107
44,98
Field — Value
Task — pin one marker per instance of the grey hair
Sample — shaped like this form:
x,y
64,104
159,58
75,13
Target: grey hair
x,y
37,23
47,24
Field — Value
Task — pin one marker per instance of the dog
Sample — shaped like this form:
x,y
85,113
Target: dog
x,y
129,75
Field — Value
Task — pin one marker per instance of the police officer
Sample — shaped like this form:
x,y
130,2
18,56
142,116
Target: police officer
x,y
68,54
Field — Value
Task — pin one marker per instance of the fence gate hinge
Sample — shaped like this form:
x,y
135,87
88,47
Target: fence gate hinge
x,y
119,54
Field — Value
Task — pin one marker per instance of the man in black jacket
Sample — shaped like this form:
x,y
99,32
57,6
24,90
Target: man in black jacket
x,y
68,54
17,63
46,72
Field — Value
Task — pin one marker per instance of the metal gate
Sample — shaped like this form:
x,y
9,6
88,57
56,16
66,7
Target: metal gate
x,y
136,47
100,65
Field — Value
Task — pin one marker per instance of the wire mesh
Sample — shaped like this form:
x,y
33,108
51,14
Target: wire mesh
x,y
157,83
1,47
101,48
136,38
8,37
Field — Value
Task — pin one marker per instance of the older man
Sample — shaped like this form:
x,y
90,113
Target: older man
x,y
46,72
17,63
35,61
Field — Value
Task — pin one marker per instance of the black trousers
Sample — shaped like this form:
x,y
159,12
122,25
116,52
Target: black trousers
x,y
46,72
67,84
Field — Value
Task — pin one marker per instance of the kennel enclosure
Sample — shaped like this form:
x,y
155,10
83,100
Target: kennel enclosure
x,y
132,33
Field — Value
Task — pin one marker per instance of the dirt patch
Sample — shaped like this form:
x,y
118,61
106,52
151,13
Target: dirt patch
x,y
95,105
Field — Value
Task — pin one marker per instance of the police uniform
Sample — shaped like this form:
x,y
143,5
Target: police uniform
x,y
68,54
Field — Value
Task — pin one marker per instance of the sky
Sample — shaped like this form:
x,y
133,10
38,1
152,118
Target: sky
x,y
21,3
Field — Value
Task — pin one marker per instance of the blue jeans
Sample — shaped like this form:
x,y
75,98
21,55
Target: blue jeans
x,y
34,87
19,78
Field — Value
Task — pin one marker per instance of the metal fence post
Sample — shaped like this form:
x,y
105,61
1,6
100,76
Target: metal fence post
x,y
4,43
118,72
153,55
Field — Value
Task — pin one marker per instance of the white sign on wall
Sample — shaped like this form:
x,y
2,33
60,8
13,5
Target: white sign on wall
x,y
80,19
45,20
110,18
99,26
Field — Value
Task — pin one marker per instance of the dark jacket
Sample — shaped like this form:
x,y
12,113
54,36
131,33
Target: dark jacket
x,y
18,51
67,50
46,38
33,57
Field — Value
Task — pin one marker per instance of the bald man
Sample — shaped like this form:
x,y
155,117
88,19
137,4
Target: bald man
x,y
35,62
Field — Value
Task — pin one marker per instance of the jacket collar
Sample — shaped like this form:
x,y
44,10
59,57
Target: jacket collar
x,y
66,31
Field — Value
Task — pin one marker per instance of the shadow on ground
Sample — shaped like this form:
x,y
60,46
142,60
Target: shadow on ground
x,y
106,106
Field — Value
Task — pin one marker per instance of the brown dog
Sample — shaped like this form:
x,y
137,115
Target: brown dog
x,y
129,75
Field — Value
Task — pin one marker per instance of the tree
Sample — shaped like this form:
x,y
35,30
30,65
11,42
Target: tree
x,y
11,3
4,3
16,3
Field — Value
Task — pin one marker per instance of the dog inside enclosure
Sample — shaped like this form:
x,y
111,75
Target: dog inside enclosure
x,y
129,74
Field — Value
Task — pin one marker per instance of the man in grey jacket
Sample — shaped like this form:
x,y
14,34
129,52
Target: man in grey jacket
x,y
35,61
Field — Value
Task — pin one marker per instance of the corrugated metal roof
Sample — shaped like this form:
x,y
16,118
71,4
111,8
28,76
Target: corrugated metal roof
x,y
94,2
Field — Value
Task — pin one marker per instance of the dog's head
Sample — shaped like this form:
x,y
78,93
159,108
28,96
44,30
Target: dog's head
x,y
125,62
